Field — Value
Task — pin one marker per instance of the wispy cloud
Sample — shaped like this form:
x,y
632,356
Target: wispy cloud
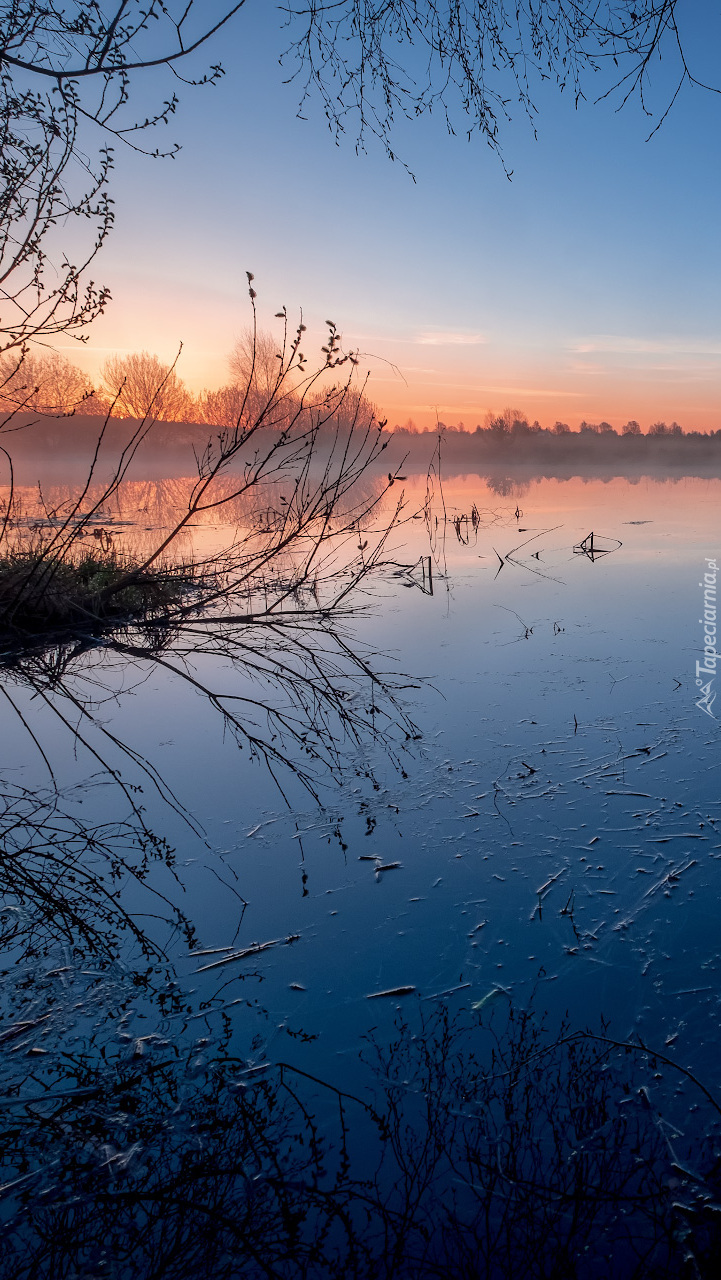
x,y
379,375
444,338
617,344
502,390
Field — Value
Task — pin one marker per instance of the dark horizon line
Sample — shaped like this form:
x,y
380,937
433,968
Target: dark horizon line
x,y
522,430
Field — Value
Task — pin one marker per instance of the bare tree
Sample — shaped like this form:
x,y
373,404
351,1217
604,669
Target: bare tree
x,y
254,362
66,89
296,479
142,385
67,74
371,63
45,382
506,421
221,408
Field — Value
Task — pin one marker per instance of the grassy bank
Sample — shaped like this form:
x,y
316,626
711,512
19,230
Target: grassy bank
x,y
42,595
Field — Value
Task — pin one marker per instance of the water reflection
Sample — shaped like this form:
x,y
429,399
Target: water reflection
x,y
61,876
134,515
491,1148
208,1101
277,545
295,697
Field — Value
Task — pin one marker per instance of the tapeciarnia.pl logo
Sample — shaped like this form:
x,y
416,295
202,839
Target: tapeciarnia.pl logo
x,y
706,671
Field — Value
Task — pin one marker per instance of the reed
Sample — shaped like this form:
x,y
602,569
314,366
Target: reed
x,y
42,595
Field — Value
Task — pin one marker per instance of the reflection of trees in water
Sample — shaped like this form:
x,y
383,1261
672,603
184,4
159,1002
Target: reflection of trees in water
x,y
139,1157
268,605
134,1147
301,699
507,486
136,1142
488,1151
530,1155
265,642
141,509
162,502
61,877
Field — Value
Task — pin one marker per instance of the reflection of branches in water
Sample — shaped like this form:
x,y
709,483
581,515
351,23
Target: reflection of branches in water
x,y
291,470
299,699
498,1152
46,673
305,690
59,876
528,1152
147,1156
331,693
290,487
466,524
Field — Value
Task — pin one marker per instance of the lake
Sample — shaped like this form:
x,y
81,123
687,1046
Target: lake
x,y
409,975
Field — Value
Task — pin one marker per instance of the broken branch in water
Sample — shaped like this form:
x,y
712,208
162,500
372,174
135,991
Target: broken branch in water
x,y
253,950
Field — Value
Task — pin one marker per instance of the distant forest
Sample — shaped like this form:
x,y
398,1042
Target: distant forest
x,y
138,383
509,452
510,437
53,414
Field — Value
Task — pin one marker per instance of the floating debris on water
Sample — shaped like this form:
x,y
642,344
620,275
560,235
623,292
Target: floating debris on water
x,y
490,995
392,991
253,950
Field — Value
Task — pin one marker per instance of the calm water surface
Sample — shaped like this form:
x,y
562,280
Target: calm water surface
x,y
551,831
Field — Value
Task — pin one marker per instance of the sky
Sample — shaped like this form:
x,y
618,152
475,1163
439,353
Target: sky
x,y
586,287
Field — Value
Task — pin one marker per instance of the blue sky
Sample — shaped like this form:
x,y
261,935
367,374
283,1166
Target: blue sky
x,y
587,286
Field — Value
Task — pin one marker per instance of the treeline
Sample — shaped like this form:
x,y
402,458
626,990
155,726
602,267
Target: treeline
x,y
56,421
511,436
138,385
